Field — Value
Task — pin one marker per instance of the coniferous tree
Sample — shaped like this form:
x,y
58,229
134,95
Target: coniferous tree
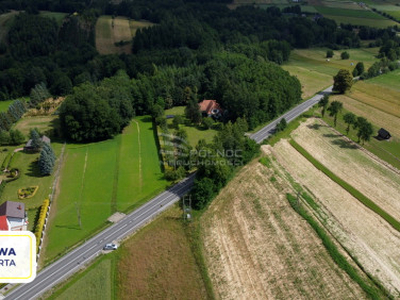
x,y
192,110
45,164
16,137
49,150
38,94
36,141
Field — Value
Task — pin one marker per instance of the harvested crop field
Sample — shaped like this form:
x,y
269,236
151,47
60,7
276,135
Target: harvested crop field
x,y
366,236
356,167
257,247
110,31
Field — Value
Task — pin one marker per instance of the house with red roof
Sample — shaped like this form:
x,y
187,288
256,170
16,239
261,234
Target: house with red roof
x,y
210,108
13,216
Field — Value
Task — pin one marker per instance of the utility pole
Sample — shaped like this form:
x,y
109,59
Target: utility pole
x,y
187,207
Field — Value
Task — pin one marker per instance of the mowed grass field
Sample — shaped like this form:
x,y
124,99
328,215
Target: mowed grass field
x,y
101,178
315,73
155,263
110,31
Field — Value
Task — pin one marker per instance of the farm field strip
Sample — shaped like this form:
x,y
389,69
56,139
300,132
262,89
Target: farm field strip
x,y
361,231
356,168
242,260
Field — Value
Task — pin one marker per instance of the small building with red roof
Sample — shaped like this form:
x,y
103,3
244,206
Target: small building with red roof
x,y
15,214
210,108
4,225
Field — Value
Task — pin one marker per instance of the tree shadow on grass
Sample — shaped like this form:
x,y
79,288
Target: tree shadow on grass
x,y
33,170
147,120
344,144
74,227
332,135
314,126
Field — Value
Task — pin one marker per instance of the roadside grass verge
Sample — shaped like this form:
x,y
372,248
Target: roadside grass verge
x,y
372,291
354,192
95,282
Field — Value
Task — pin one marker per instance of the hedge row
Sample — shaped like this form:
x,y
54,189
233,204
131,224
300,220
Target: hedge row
x,y
353,191
40,224
372,291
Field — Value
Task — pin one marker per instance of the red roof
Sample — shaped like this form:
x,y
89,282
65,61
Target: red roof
x,y
208,106
3,223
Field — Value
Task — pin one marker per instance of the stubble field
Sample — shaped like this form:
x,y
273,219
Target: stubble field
x,y
369,238
257,246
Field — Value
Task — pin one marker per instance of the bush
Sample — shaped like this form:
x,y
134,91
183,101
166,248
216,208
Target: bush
x,y
329,54
345,55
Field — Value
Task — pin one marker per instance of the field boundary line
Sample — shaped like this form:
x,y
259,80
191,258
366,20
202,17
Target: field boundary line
x,y
116,178
140,155
349,188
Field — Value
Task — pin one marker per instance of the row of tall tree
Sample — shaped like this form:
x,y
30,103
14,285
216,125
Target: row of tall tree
x,y
364,128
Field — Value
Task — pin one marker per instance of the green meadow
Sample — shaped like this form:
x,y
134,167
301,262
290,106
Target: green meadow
x,y
101,178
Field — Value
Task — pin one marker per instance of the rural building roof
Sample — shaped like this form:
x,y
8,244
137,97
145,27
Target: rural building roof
x,y
44,139
13,209
3,223
208,106
384,133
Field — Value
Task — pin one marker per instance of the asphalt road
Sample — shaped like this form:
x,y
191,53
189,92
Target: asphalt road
x,y
265,132
82,255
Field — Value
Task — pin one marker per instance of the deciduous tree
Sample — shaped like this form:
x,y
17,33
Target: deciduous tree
x,y
350,119
334,110
342,81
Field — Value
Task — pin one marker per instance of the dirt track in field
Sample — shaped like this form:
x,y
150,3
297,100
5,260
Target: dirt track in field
x,y
370,177
364,233
257,247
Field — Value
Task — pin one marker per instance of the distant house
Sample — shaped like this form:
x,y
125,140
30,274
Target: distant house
x,y
13,216
210,108
384,134
28,146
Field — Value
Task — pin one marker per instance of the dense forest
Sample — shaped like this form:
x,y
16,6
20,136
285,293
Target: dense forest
x,y
228,55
